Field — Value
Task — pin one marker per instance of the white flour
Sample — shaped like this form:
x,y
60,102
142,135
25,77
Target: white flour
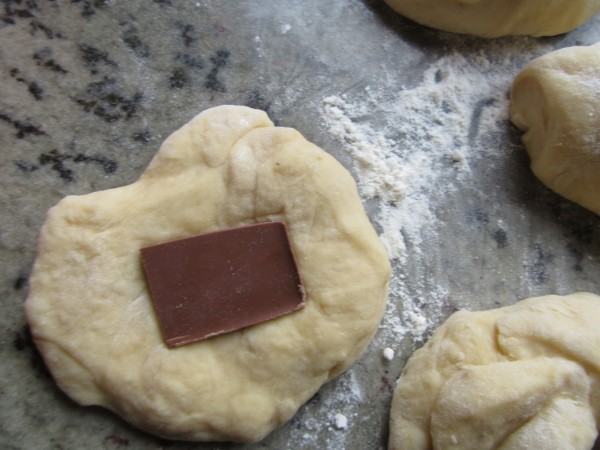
x,y
388,353
336,414
414,149
341,421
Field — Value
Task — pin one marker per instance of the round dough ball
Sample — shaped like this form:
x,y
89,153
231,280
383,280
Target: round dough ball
x,y
494,18
556,101
522,376
91,315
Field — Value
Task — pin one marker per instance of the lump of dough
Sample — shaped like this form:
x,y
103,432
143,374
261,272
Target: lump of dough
x,y
522,376
494,18
556,101
91,315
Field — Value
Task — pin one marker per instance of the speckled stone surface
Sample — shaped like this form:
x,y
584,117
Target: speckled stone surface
x,y
90,88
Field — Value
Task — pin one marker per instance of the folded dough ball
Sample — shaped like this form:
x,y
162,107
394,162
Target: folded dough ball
x,y
92,318
494,18
522,376
556,101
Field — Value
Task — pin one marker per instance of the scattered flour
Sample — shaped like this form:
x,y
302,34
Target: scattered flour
x,y
341,421
412,147
388,354
346,395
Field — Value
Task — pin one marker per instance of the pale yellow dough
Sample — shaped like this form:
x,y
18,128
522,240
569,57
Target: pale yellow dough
x,y
92,318
494,18
556,101
525,376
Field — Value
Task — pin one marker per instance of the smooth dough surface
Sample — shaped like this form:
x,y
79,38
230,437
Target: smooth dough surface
x,y
526,376
92,318
556,101
494,18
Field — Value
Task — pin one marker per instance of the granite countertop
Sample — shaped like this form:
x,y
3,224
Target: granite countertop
x,y
92,87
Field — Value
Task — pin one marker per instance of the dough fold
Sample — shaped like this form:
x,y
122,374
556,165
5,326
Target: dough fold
x,y
91,315
495,18
522,376
556,101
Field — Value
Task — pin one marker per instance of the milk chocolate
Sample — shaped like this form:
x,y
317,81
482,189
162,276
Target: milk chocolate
x,y
216,283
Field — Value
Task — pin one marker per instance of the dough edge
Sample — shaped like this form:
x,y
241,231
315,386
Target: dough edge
x,y
245,413
471,340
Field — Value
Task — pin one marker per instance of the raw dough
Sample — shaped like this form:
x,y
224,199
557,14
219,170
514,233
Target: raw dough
x,y
92,319
556,101
494,18
525,376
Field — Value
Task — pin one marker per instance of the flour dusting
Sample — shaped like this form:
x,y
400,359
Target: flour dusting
x,y
411,148
388,353
341,421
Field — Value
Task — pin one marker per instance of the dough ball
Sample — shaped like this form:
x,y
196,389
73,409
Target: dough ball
x,y
525,376
93,321
556,101
494,18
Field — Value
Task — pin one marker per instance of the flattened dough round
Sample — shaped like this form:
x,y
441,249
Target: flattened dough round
x,y
91,315
494,18
522,376
556,101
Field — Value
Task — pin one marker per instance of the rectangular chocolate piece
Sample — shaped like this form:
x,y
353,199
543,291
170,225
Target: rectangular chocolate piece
x,y
223,281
